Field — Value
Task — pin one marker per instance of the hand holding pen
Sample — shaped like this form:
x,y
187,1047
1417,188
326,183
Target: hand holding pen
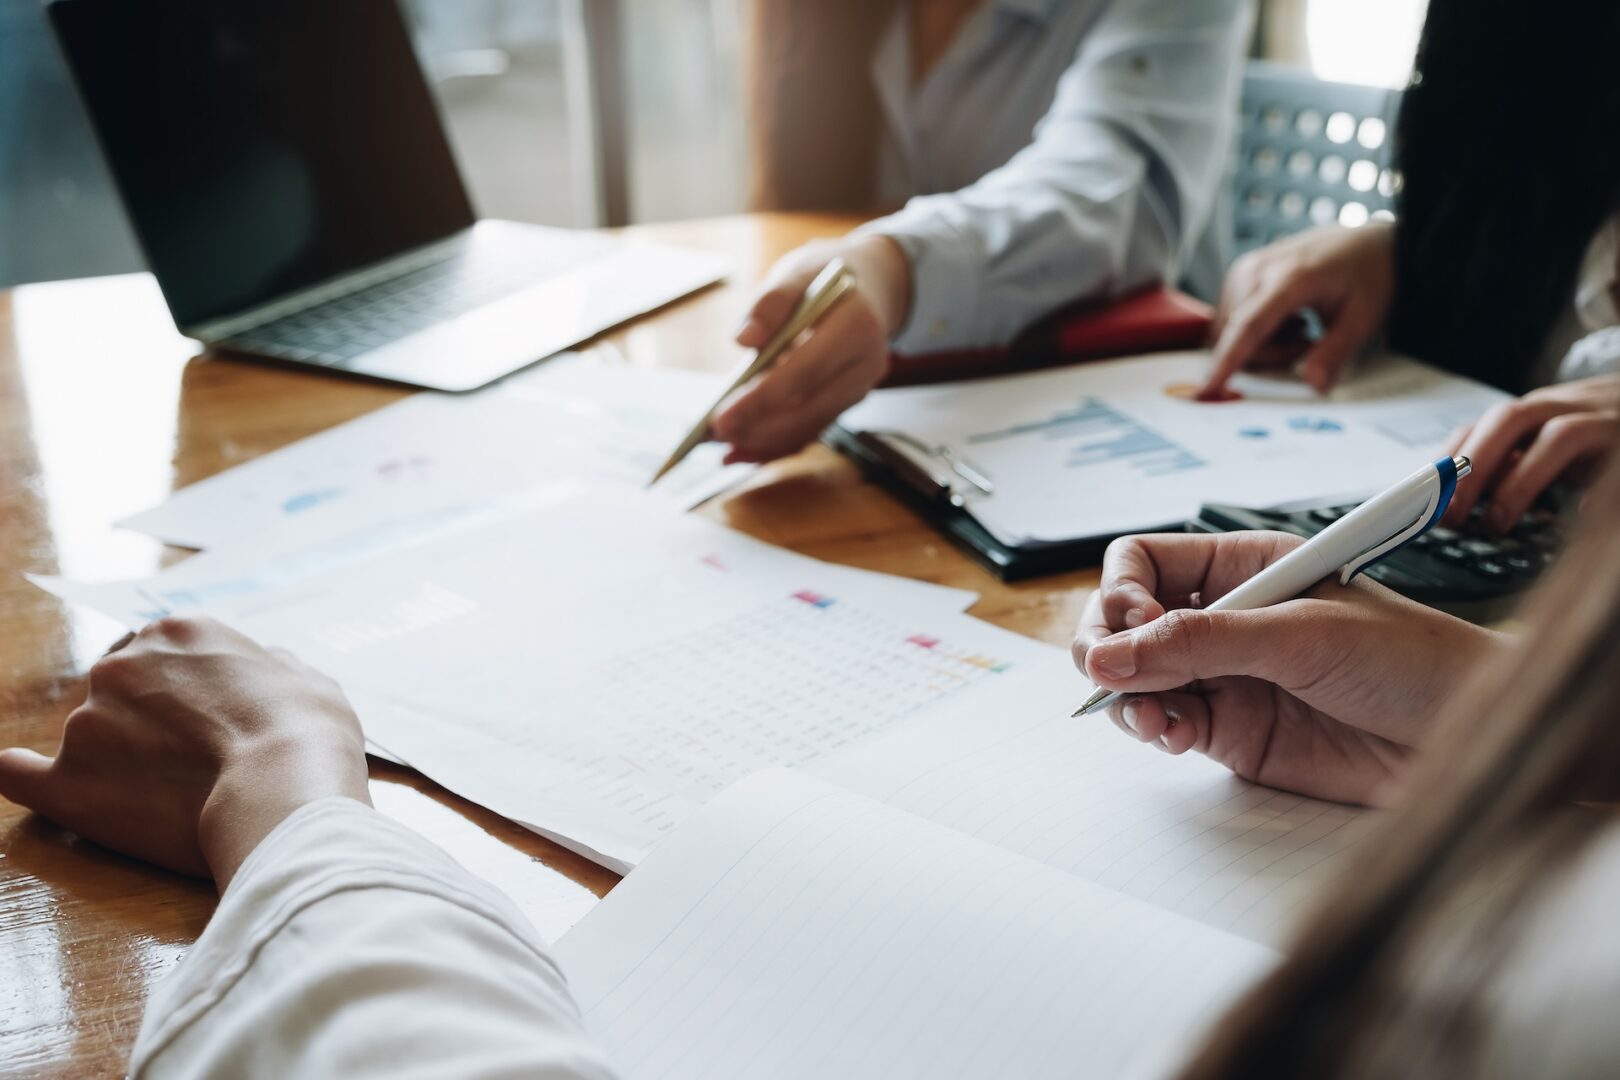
x,y
835,281
1326,695
832,368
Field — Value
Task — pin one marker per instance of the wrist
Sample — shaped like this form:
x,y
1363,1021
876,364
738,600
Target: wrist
x,y
266,781
1469,651
884,273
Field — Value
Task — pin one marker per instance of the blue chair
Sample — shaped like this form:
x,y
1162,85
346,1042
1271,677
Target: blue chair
x,y
1310,153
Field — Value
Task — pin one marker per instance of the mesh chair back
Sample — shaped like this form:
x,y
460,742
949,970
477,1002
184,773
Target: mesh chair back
x,y
1310,153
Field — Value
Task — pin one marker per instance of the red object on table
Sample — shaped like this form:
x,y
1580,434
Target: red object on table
x,y
1153,320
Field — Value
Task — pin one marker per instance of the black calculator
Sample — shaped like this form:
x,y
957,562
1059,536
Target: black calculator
x,y
1466,572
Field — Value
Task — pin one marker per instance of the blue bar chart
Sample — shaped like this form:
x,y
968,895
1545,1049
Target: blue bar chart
x,y
1096,434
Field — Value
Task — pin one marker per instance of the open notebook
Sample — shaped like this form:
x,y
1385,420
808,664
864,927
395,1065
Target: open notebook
x,y
969,895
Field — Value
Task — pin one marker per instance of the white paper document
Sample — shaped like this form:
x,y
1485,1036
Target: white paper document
x,y
1077,794
1110,448
432,454
598,666
203,581
791,929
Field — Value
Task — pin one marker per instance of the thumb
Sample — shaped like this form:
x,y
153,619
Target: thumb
x,y
24,777
1186,645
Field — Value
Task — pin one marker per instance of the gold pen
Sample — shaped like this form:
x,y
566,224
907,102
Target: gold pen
x,y
829,286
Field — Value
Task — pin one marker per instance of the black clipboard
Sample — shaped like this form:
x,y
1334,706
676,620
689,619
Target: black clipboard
x,y
938,502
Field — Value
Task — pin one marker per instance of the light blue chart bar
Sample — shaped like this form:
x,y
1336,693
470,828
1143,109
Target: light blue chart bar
x,y
1098,435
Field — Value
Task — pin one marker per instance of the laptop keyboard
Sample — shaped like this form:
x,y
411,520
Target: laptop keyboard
x,y
341,329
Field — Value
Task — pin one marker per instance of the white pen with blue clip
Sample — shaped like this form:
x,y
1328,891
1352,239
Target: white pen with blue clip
x,y
1347,547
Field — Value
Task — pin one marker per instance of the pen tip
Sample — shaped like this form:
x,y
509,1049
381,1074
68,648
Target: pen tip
x,y
1098,697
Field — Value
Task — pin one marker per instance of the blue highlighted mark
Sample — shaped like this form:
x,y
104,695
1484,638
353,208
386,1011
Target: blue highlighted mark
x,y
1254,433
1315,424
310,499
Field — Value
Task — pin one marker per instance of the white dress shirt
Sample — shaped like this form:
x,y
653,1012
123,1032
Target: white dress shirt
x,y
1586,341
1058,149
348,946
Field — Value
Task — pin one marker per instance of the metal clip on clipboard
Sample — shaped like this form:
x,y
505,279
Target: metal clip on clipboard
x,y
934,471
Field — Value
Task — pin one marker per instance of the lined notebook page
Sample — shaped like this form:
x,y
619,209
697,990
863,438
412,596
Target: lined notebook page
x,y
791,929
1178,832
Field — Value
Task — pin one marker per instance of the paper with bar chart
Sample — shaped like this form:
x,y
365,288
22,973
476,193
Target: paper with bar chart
x,y
1105,449
433,455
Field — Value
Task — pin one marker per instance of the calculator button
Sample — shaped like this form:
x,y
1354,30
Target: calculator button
x,y
1491,571
1452,553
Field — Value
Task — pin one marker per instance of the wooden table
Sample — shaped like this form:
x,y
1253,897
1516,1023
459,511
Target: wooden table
x,y
104,409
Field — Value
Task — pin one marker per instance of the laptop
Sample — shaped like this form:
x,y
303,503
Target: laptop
x,y
286,172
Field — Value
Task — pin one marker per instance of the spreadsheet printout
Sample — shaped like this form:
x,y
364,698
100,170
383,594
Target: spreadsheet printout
x,y
600,666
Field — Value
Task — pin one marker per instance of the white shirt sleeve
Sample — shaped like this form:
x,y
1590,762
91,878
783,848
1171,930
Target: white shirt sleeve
x,y
1114,192
349,946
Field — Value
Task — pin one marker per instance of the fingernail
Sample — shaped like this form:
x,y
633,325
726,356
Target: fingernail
x,y
1135,617
748,323
1129,714
1163,743
1114,657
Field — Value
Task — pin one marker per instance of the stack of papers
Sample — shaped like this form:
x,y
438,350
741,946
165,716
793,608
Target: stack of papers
x,y
594,665
514,615
871,840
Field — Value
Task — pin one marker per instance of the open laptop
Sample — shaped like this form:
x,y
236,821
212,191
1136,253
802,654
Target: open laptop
x,y
286,171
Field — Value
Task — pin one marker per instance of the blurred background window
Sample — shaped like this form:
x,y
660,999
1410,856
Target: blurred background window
x,y
514,80
1370,42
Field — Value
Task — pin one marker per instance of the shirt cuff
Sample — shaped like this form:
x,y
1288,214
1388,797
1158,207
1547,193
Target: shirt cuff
x,y
945,279
327,847
1598,353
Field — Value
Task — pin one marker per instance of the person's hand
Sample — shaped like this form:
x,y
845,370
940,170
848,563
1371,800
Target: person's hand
x,y
1326,695
1522,447
1347,276
193,744
833,365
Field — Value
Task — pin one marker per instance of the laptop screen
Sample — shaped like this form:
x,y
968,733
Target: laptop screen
x,y
262,146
